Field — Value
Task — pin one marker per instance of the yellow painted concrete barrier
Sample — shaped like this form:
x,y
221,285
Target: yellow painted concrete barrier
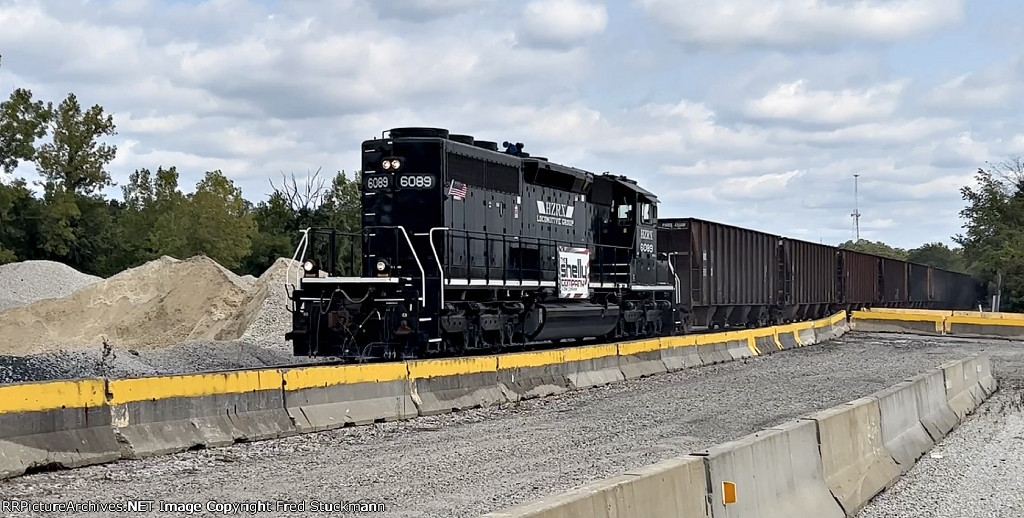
x,y
60,423
159,415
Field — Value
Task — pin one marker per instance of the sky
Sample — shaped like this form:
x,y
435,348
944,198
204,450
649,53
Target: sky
x,y
755,113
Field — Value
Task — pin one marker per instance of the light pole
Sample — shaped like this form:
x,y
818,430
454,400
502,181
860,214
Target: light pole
x,y
856,209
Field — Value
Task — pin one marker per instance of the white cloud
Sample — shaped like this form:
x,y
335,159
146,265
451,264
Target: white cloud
x,y
990,88
255,89
800,22
763,187
795,102
562,23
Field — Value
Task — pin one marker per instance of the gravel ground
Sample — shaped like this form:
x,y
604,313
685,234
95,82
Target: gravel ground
x,y
473,462
976,472
183,358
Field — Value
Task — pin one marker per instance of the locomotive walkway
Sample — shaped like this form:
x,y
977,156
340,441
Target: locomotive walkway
x,y
473,462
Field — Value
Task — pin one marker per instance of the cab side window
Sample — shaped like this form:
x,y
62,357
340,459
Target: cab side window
x,y
624,212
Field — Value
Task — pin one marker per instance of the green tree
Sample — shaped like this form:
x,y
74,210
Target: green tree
x,y
938,255
877,248
220,224
275,234
76,160
993,241
22,122
19,220
156,216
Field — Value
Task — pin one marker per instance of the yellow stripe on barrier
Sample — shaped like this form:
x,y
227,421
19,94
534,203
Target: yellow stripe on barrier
x,y
198,385
532,359
674,342
40,397
643,346
752,345
981,321
314,377
837,318
989,316
906,317
911,311
590,352
425,369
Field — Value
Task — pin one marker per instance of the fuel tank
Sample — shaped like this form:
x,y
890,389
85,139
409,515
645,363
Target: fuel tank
x,y
557,320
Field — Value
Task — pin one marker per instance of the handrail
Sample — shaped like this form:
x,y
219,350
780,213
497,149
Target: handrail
x,y
672,269
423,273
303,244
437,258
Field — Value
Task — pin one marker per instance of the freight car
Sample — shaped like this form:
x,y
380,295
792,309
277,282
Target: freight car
x,y
468,248
737,277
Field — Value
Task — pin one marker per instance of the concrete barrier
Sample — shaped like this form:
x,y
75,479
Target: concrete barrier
x,y
62,424
983,366
902,432
936,415
593,366
777,473
786,337
831,328
441,386
873,321
675,487
855,463
828,465
640,359
323,398
680,352
533,374
154,416
714,348
1004,326
767,341
806,337
962,389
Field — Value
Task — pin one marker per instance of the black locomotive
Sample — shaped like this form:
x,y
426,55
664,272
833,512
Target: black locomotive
x,y
467,248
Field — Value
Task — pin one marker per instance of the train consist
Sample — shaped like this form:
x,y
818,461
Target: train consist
x,y
466,248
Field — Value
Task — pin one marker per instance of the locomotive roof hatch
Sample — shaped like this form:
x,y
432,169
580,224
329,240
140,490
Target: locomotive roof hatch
x,y
632,185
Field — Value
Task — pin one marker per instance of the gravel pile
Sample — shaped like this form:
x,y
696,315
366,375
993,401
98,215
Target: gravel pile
x,y
976,472
268,318
470,463
164,317
31,281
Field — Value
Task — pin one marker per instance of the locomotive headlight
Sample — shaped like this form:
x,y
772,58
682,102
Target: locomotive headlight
x,y
382,266
386,164
395,164
308,266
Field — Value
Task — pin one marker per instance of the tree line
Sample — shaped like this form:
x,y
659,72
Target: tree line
x,y
66,218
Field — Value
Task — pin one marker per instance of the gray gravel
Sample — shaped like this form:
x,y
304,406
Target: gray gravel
x,y
473,462
183,358
30,281
977,471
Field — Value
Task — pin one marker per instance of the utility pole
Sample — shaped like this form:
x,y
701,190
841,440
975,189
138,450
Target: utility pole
x,y
856,210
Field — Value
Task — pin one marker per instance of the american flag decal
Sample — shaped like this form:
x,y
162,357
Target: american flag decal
x,y
457,190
